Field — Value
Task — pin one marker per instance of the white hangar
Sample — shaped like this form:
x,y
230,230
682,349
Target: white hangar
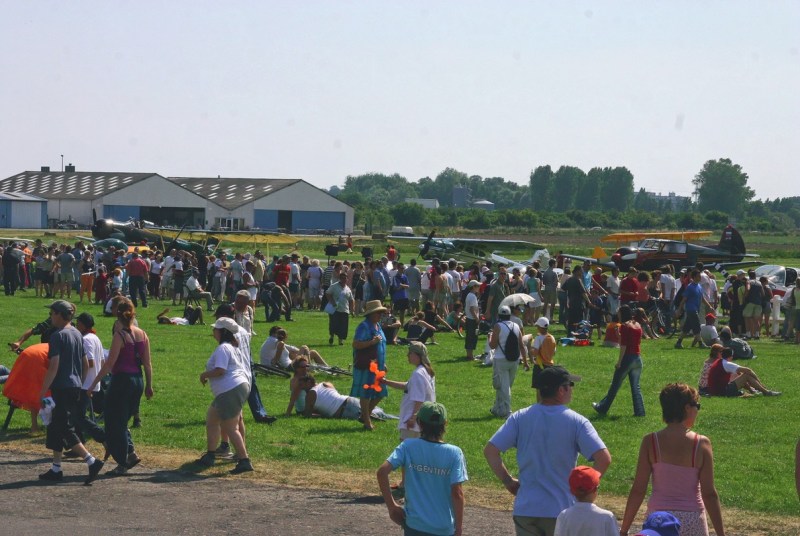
x,y
289,205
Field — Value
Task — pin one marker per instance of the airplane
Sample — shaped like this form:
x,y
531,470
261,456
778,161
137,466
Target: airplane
x,y
780,278
105,231
653,253
465,250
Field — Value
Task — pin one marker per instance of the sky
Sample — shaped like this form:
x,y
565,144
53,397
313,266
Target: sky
x,y
320,90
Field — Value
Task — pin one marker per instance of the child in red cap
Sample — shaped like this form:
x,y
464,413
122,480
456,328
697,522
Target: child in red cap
x,y
583,517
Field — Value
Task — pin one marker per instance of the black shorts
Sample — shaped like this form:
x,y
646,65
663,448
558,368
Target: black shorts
x,y
61,431
732,390
691,323
401,304
470,334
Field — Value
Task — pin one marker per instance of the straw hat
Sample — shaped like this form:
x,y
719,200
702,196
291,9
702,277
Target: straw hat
x,y
374,306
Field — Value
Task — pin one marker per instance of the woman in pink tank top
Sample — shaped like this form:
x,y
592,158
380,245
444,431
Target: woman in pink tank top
x,y
682,466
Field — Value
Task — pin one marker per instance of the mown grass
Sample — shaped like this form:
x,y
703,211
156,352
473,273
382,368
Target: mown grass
x,y
753,438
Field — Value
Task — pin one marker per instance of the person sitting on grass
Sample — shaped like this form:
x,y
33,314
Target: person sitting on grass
x,y
435,471
713,355
611,339
584,517
297,398
276,352
456,319
418,329
191,316
726,378
708,331
741,350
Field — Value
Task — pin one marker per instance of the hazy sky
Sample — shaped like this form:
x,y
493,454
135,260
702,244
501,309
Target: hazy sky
x,y
322,89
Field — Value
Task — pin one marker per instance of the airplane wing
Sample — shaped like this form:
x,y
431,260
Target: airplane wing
x,y
602,263
625,238
496,245
483,243
728,266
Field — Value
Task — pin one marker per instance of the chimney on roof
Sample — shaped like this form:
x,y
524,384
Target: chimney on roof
x,y
45,169
69,168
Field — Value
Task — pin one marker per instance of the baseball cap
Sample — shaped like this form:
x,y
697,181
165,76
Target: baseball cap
x,y
504,310
473,283
421,350
62,307
543,322
662,524
224,309
226,323
741,272
583,480
553,377
432,413
711,316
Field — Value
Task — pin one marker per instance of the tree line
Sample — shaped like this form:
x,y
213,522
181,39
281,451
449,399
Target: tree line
x,y
567,197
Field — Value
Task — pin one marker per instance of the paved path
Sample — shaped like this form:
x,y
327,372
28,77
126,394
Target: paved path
x,y
157,501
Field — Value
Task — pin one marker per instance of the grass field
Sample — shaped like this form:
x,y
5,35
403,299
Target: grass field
x,y
753,438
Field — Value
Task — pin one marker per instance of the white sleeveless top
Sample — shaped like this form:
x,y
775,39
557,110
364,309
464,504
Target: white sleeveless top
x,y
328,400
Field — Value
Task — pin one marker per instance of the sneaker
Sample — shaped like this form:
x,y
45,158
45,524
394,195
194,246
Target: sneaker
x,y
266,419
52,476
772,393
119,470
223,452
678,346
596,407
94,470
242,466
132,460
206,460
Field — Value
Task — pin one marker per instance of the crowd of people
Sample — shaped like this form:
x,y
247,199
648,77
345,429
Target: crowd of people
x,y
551,495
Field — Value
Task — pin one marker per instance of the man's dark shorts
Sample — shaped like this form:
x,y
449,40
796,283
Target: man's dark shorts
x,y
401,304
61,431
732,390
691,323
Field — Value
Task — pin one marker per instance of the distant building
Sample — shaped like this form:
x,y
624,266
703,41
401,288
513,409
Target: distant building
x,y
675,202
22,211
290,205
426,203
462,197
483,204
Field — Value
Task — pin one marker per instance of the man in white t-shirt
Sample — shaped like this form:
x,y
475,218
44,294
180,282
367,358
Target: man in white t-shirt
x,y
166,279
613,291
95,355
472,313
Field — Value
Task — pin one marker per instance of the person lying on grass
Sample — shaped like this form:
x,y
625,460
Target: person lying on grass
x,y
191,315
323,400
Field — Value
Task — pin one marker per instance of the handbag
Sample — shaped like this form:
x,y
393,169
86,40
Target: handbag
x,y
330,308
365,356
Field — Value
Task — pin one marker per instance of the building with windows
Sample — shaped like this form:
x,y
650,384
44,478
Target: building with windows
x,y
289,205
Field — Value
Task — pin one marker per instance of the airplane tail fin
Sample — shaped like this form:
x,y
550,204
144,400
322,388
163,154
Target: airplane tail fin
x,y
541,255
599,253
732,241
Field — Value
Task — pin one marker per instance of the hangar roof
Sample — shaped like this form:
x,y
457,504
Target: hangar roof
x,y
19,196
71,184
231,193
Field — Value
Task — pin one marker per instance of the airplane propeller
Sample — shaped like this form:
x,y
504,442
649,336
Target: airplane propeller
x,y
426,246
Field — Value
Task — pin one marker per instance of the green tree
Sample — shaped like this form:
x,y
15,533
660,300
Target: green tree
x,y
541,186
378,189
722,185
616,192
445,181
587,195
567,179
408,214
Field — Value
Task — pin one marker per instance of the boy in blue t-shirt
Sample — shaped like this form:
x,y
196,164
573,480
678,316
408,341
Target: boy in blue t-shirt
x,y
434,471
